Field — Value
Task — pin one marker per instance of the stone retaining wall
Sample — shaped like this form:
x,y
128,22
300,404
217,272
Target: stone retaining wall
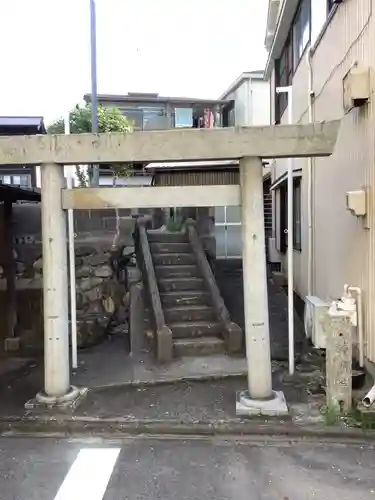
x,y
102,302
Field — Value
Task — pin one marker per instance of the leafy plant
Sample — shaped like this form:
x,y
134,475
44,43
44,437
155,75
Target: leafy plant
x,y
350,418
173,226
110,119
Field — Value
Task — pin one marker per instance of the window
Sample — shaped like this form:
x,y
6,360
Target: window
x,y
284,75
297,214
183,117
301,30
283,213
22,180
154,119
295,45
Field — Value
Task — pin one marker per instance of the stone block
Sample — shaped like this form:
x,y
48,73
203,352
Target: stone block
x,y
96,260
91,329
87,284
103,271
12,344
83,272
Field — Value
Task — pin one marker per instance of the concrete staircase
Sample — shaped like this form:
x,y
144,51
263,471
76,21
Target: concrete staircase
x,y
186,302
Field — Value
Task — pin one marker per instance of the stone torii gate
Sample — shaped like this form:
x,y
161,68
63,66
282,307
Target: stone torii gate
x,y
250,145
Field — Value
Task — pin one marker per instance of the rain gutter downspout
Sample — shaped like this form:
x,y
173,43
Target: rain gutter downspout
x,y
310,164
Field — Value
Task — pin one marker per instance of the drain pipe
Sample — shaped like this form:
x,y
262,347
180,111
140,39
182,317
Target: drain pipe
x,y
310,161
72,269
358,291
369,399
289,92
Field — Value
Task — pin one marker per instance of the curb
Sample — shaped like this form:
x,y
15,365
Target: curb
x,y
170,380
87,426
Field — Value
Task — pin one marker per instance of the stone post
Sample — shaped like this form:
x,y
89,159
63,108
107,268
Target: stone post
x,y
259,399
338,360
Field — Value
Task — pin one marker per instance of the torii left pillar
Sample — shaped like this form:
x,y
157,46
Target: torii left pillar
x,y
57,390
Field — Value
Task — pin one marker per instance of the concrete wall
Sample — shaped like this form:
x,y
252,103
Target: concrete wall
x,y
92,227
344,251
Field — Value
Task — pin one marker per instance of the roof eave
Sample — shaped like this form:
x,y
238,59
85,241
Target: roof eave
x,y
160,99
281,32
247,75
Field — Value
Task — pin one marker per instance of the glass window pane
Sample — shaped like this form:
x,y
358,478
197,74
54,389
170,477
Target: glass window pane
x,y
6,179
154,119
24,180
16,180
233,214
220,241
219,214
135,116
234,241
183,117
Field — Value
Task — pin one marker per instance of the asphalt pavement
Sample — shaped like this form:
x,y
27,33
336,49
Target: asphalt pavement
x,y
167,469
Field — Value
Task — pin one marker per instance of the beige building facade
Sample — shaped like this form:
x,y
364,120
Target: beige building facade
x,y
315,46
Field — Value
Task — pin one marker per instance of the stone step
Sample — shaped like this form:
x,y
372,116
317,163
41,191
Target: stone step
x,y
182,284
186,298
167,259
193,329
170,247
165,237
189,313
202,346
176,271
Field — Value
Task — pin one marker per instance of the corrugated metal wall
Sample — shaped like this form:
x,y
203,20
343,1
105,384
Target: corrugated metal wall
x,y
207,178
349,255
344,251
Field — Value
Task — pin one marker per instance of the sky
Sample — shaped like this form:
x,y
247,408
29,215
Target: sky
x,y
191,48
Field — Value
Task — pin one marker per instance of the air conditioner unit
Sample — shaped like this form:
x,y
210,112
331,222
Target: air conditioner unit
x,y
315,310
273,253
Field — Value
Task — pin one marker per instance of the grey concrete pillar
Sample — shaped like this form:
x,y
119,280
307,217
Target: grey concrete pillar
x,y
55,284
255,279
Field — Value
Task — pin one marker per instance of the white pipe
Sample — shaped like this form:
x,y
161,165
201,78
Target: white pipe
x,y
368,400
358,291
72,269
288,90
290,249
309,190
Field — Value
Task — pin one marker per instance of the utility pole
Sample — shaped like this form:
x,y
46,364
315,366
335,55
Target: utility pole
x,y
94,86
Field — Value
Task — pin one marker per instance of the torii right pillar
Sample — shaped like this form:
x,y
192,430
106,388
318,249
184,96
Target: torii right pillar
x,y
259,399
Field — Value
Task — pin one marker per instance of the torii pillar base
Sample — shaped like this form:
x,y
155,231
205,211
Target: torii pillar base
x,y
273,407
68,402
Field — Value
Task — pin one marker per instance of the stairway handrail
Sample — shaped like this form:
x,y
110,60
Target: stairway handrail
x,y
162,331
232,332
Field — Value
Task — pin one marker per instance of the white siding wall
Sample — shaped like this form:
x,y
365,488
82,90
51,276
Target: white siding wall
x,y
344,251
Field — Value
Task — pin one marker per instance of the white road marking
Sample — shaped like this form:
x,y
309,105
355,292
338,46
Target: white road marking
x,y
89,475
